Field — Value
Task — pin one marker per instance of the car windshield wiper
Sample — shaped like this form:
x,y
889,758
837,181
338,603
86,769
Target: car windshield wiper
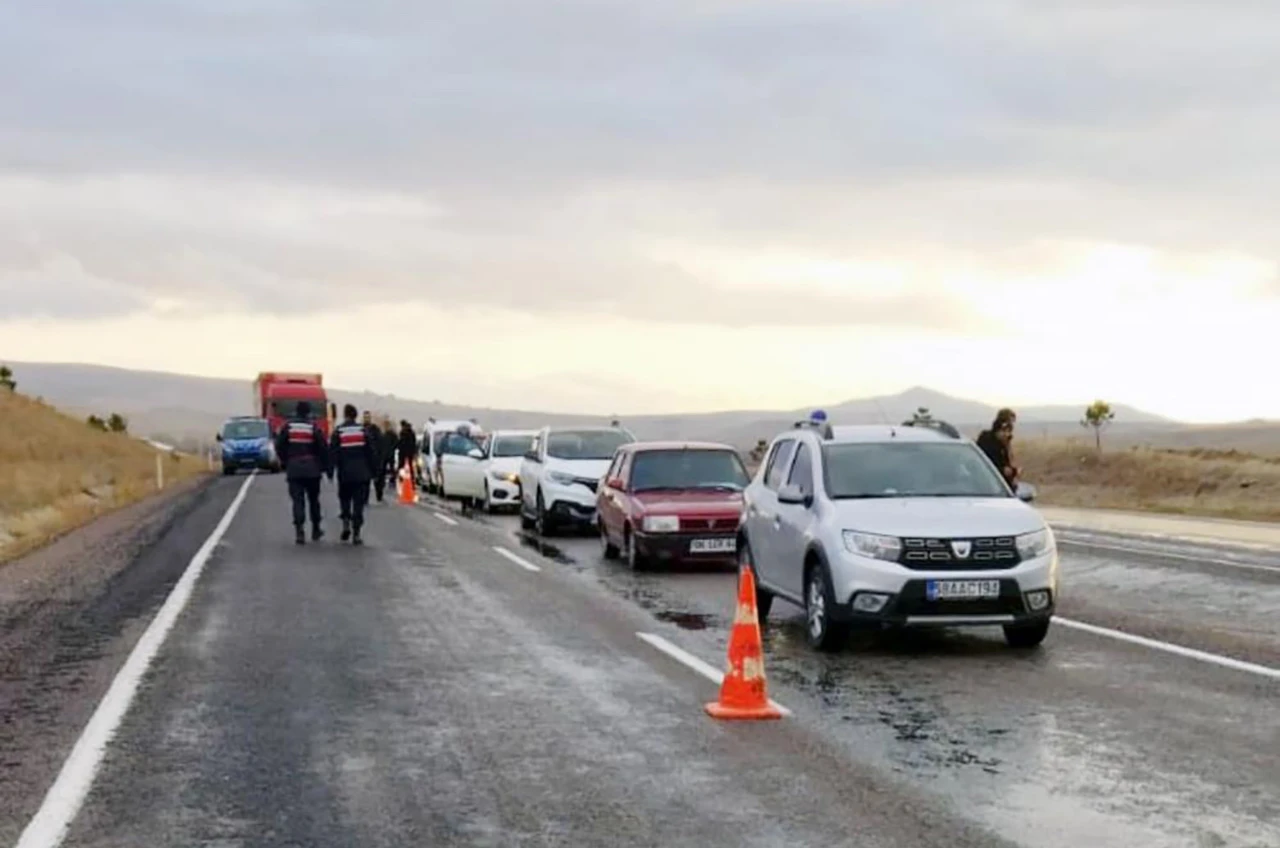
x,y
869,496
662,489
718,487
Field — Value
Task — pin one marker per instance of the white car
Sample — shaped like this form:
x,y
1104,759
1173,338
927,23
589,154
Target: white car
x,y
896,526
561,473
486,475
433,433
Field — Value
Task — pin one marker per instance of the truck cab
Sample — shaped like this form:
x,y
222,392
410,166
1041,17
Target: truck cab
x,y
277,395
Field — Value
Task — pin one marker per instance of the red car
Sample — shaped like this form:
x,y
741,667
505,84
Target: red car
x,y
671,502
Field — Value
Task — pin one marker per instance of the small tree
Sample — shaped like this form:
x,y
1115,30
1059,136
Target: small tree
x,y
6,379
117,423
97,423
1097,416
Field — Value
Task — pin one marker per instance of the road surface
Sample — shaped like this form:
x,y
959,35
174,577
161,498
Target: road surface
x,y
455,682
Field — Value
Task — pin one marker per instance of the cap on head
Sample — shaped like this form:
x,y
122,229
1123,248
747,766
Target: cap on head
x,y
304,409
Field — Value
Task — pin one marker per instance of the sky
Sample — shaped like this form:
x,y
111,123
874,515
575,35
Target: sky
x,y
675,205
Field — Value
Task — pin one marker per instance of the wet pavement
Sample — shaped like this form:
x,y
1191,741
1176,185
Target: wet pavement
x,y
425,690
1090,740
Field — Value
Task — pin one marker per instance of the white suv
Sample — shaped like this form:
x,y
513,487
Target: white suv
x,y
896,526
561,473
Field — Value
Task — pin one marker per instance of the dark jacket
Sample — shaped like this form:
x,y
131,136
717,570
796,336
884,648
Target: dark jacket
x,y
301,448
354,452
375,436
408,445
389,442
999,454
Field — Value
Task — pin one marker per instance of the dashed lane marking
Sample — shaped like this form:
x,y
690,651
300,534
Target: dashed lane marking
x,y
1170,648
518,560
446,519
65,798
688,660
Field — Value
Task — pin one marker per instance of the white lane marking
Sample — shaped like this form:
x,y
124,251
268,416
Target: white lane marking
x,y
1152,552
518,560
446,519
1170,648
685,658
62,803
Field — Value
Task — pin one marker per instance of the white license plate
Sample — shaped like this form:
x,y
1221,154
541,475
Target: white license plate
x,y
961,590
713,546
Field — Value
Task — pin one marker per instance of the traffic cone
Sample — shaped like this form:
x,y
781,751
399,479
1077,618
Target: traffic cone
x,y
743,693
408,494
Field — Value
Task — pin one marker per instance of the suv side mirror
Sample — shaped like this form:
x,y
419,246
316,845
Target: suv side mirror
x,y
475,453
615,483
532,456
218,437
792,494
1025,492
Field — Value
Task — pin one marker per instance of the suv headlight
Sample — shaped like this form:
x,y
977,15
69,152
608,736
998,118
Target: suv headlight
x,y
505,476
1037,544
872,545
561,478
660,524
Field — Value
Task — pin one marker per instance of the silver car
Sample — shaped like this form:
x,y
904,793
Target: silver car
x,y
896,526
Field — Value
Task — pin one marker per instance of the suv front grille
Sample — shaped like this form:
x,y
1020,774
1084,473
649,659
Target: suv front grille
x,y
981,553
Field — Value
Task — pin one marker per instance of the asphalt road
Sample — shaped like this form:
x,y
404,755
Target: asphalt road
x,y
430,689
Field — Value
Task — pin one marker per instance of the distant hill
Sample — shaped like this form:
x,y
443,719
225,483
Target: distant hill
x,y
182,409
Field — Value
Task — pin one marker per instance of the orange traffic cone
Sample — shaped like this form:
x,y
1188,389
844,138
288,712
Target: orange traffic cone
x,y
743,693
408,493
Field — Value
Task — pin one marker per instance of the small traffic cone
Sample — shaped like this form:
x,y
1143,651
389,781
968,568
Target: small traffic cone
x,y
408,493
743,693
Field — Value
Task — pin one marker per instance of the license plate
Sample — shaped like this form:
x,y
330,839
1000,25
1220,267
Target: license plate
x,y
961,590
713,546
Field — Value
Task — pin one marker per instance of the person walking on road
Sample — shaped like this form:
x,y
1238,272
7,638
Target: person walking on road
x,y
302,451
390,441
380,466
407,450
355,457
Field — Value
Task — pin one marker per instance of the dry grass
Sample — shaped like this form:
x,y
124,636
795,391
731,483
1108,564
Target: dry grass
x,y
1198,481
56,473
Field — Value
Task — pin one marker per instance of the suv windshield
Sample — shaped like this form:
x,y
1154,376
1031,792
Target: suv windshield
x,y
687,469
909,469
512,445
585,444
252,429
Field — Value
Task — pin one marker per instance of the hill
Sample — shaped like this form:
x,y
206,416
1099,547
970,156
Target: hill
x,y
56,472
181,408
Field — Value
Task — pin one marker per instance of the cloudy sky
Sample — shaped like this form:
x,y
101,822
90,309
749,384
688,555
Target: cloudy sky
x,y
619,206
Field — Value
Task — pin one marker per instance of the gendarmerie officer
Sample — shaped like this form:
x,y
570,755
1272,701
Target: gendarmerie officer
x,y
355,458
301,448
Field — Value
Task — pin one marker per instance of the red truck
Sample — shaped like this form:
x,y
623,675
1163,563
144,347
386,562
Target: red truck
x,y
276,397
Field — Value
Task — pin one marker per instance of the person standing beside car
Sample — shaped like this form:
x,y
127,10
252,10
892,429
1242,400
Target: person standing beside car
x,y
301,449
379,466
997,444
407,450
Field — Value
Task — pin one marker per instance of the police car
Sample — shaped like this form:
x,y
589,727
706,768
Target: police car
x,y
896,525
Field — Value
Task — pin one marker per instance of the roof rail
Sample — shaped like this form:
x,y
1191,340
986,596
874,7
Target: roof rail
x,y
931,423
823,428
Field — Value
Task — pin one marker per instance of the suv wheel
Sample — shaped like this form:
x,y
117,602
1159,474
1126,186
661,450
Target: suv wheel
x,y
1026,635
609,548
820,631
764,598
542,521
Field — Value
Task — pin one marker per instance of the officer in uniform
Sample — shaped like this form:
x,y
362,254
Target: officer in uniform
x,y
379,467
301,448
390,440
355,458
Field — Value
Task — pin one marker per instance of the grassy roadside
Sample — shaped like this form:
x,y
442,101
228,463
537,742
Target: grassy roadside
x,y
1199,481
56,473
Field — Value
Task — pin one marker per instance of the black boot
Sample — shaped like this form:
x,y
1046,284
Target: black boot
x,y
346,529
356,540
299,537
317,533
